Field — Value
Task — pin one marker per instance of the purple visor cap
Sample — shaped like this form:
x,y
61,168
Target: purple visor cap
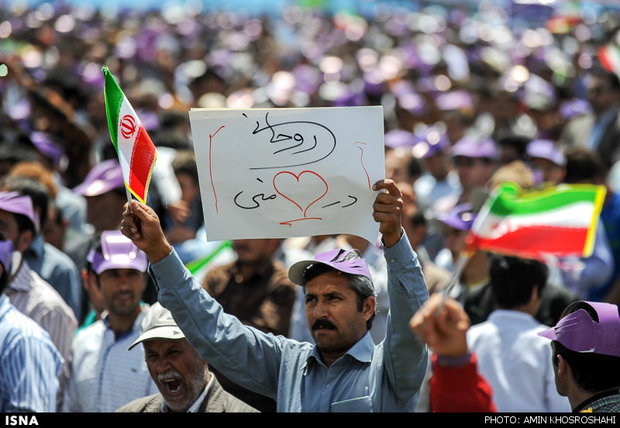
x,y
546,149
103,178
431,142
399,138
118,253
333,258
14,203
460,217
580,333
474,148
6,254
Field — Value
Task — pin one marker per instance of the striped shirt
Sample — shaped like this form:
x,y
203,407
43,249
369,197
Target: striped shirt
x,y
105,375
29,362
37,299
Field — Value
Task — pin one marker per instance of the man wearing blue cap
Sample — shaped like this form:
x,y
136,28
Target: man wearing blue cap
x,y
30,362
344,370
104,375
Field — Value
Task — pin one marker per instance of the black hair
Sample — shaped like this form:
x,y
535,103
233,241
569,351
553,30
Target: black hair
x,y
583,166
513,279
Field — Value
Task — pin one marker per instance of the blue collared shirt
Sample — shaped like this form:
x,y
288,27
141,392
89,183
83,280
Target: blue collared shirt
x,y
29,363
368,377
58,269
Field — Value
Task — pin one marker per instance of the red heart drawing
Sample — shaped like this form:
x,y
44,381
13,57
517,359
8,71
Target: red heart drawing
x,y
289,187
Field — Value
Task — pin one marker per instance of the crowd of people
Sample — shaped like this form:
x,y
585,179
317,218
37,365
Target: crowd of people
x,y
108,305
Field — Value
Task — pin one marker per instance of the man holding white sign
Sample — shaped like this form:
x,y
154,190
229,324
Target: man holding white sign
x,y
345,370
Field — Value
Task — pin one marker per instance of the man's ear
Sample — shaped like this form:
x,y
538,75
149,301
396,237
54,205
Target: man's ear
x,y
561,365
369,306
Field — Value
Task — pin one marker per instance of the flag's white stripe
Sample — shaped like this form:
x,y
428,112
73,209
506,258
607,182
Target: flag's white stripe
x,y
125,145
576,215
613,54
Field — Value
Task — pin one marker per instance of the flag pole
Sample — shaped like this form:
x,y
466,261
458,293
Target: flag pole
x,y
464,257
129,198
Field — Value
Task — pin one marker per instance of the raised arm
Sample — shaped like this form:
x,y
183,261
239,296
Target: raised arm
x,y
245,355
405,355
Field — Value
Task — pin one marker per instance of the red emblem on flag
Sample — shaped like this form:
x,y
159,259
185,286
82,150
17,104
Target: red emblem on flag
x,y
128,126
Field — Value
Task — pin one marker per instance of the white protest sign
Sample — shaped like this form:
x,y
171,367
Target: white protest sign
x,y
287,172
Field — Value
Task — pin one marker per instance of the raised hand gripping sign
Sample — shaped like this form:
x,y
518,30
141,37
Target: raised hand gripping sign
x,y
286,172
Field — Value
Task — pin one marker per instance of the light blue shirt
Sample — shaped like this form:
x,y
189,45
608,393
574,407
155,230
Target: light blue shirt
x,y
105,374
368,378
29,363
59,270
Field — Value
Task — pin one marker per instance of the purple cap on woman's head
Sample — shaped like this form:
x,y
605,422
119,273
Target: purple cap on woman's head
x,y
104,177
337,259
15,203
578,332
117,252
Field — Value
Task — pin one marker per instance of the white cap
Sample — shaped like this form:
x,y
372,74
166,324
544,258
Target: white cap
x,y
158,324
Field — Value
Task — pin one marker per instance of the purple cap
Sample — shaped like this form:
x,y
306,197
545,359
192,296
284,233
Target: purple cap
x,y
430,142
474,148
455,100
117,252
546,149
15,203
6,254
399,138
43,142
104,177
460,217
578,332
336,259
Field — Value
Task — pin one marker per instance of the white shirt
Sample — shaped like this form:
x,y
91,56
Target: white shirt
x,y
105,375
516,362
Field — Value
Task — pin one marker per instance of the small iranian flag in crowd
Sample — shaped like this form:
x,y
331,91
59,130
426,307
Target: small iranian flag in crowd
x,y
609,55
136,152
559,221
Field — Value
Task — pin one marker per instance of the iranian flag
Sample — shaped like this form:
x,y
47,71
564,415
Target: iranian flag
x,y
609,55
559,221
136,152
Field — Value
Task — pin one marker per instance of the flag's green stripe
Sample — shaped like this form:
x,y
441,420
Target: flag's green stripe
x,y
113,100
196,265
508,202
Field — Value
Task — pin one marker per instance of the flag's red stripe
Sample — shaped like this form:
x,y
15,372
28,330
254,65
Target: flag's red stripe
x,y
534,241
142,158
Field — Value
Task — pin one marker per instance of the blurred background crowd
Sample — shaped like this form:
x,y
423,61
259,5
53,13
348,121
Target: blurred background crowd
x,y
474,93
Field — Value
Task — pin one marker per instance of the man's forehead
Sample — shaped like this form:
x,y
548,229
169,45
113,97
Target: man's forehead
x,y
327,282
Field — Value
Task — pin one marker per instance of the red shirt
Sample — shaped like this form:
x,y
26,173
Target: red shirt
x,y
460,388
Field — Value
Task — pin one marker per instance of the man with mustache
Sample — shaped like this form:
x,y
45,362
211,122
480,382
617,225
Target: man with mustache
x,y
104,376
183,378
344,370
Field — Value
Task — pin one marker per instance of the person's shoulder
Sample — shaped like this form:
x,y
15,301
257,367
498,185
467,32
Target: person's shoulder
x,y
149,404
89,332
60,259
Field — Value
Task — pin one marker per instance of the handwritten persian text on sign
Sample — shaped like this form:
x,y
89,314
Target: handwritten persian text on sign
x,y
277,173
